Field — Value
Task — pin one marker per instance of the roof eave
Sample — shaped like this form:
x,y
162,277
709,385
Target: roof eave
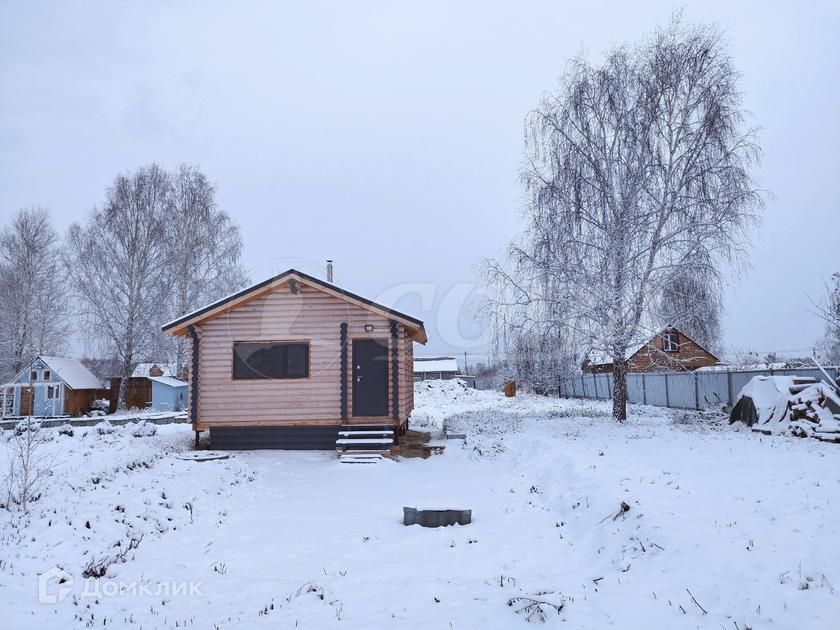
x,y
419,335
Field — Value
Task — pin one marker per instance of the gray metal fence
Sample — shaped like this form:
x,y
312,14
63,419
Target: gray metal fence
x,y
678,390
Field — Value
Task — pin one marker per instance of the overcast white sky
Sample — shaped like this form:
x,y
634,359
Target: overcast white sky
x,y
389,137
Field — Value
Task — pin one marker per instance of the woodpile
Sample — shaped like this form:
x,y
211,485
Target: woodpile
x,y
814,411
804,407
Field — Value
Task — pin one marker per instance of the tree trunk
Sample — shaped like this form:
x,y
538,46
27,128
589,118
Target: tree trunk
x,y
619,390
182,357
127,372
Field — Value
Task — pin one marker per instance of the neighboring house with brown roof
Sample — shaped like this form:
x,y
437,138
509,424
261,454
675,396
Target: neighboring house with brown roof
x,y
668,350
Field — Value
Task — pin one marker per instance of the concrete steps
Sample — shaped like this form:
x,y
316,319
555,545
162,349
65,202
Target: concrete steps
x,y
360,458
364,443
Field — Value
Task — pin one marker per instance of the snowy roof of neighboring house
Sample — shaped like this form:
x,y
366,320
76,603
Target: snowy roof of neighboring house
x,y
143,369
599,357
435,364
168,380
72,372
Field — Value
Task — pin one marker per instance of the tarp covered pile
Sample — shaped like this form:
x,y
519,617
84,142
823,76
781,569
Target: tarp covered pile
x,y
801,406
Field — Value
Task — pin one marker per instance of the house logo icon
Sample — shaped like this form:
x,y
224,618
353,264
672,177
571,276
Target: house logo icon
x,y
54,585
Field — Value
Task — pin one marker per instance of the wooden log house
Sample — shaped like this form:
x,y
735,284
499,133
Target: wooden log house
x,y
294,361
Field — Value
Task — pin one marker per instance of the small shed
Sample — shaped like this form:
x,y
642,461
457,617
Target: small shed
x,y
51,386
294,361
431,368
168,393
157,393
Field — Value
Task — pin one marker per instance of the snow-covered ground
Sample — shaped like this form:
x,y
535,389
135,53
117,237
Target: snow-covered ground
x,y
725,528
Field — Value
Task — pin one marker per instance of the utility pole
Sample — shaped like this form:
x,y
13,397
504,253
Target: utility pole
x,y
466,367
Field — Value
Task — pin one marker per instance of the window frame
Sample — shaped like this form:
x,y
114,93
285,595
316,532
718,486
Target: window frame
x,y
9,397
46,375
55,390
33,376
275,342
671,341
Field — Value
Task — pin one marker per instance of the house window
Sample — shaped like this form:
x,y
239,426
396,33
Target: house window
x,y
7,400
33,375
671,341
252,360
47,375
53,392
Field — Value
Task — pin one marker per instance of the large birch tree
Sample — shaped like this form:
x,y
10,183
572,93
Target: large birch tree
x,y
636,169
118,265
158,248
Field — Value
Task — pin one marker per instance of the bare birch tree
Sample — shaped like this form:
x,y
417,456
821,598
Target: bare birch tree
x,y
204,246
530,339
29,468
635,169
33,293
118,264
691,301
829,311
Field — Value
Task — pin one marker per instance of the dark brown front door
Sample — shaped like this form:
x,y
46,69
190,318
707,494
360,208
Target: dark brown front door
x,y
27,394
370,377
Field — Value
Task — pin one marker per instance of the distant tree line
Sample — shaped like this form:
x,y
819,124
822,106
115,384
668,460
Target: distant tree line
x,y
156,248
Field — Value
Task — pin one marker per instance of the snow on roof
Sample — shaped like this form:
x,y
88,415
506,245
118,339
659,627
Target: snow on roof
x,y
72,372
602,358
435,364
168,380
719,367
143,369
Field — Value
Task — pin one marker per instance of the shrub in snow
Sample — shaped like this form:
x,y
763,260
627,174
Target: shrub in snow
x,y
577,411
105,428
536,608
98,567
26,425
27,466
144,429
66,429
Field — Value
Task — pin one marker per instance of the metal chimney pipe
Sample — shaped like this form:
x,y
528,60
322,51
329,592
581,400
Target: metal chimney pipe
x,y
329,270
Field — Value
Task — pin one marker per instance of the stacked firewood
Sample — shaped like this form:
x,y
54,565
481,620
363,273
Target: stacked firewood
x,y
814,410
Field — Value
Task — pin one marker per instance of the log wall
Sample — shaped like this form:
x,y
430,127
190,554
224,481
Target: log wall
x,y
308,315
